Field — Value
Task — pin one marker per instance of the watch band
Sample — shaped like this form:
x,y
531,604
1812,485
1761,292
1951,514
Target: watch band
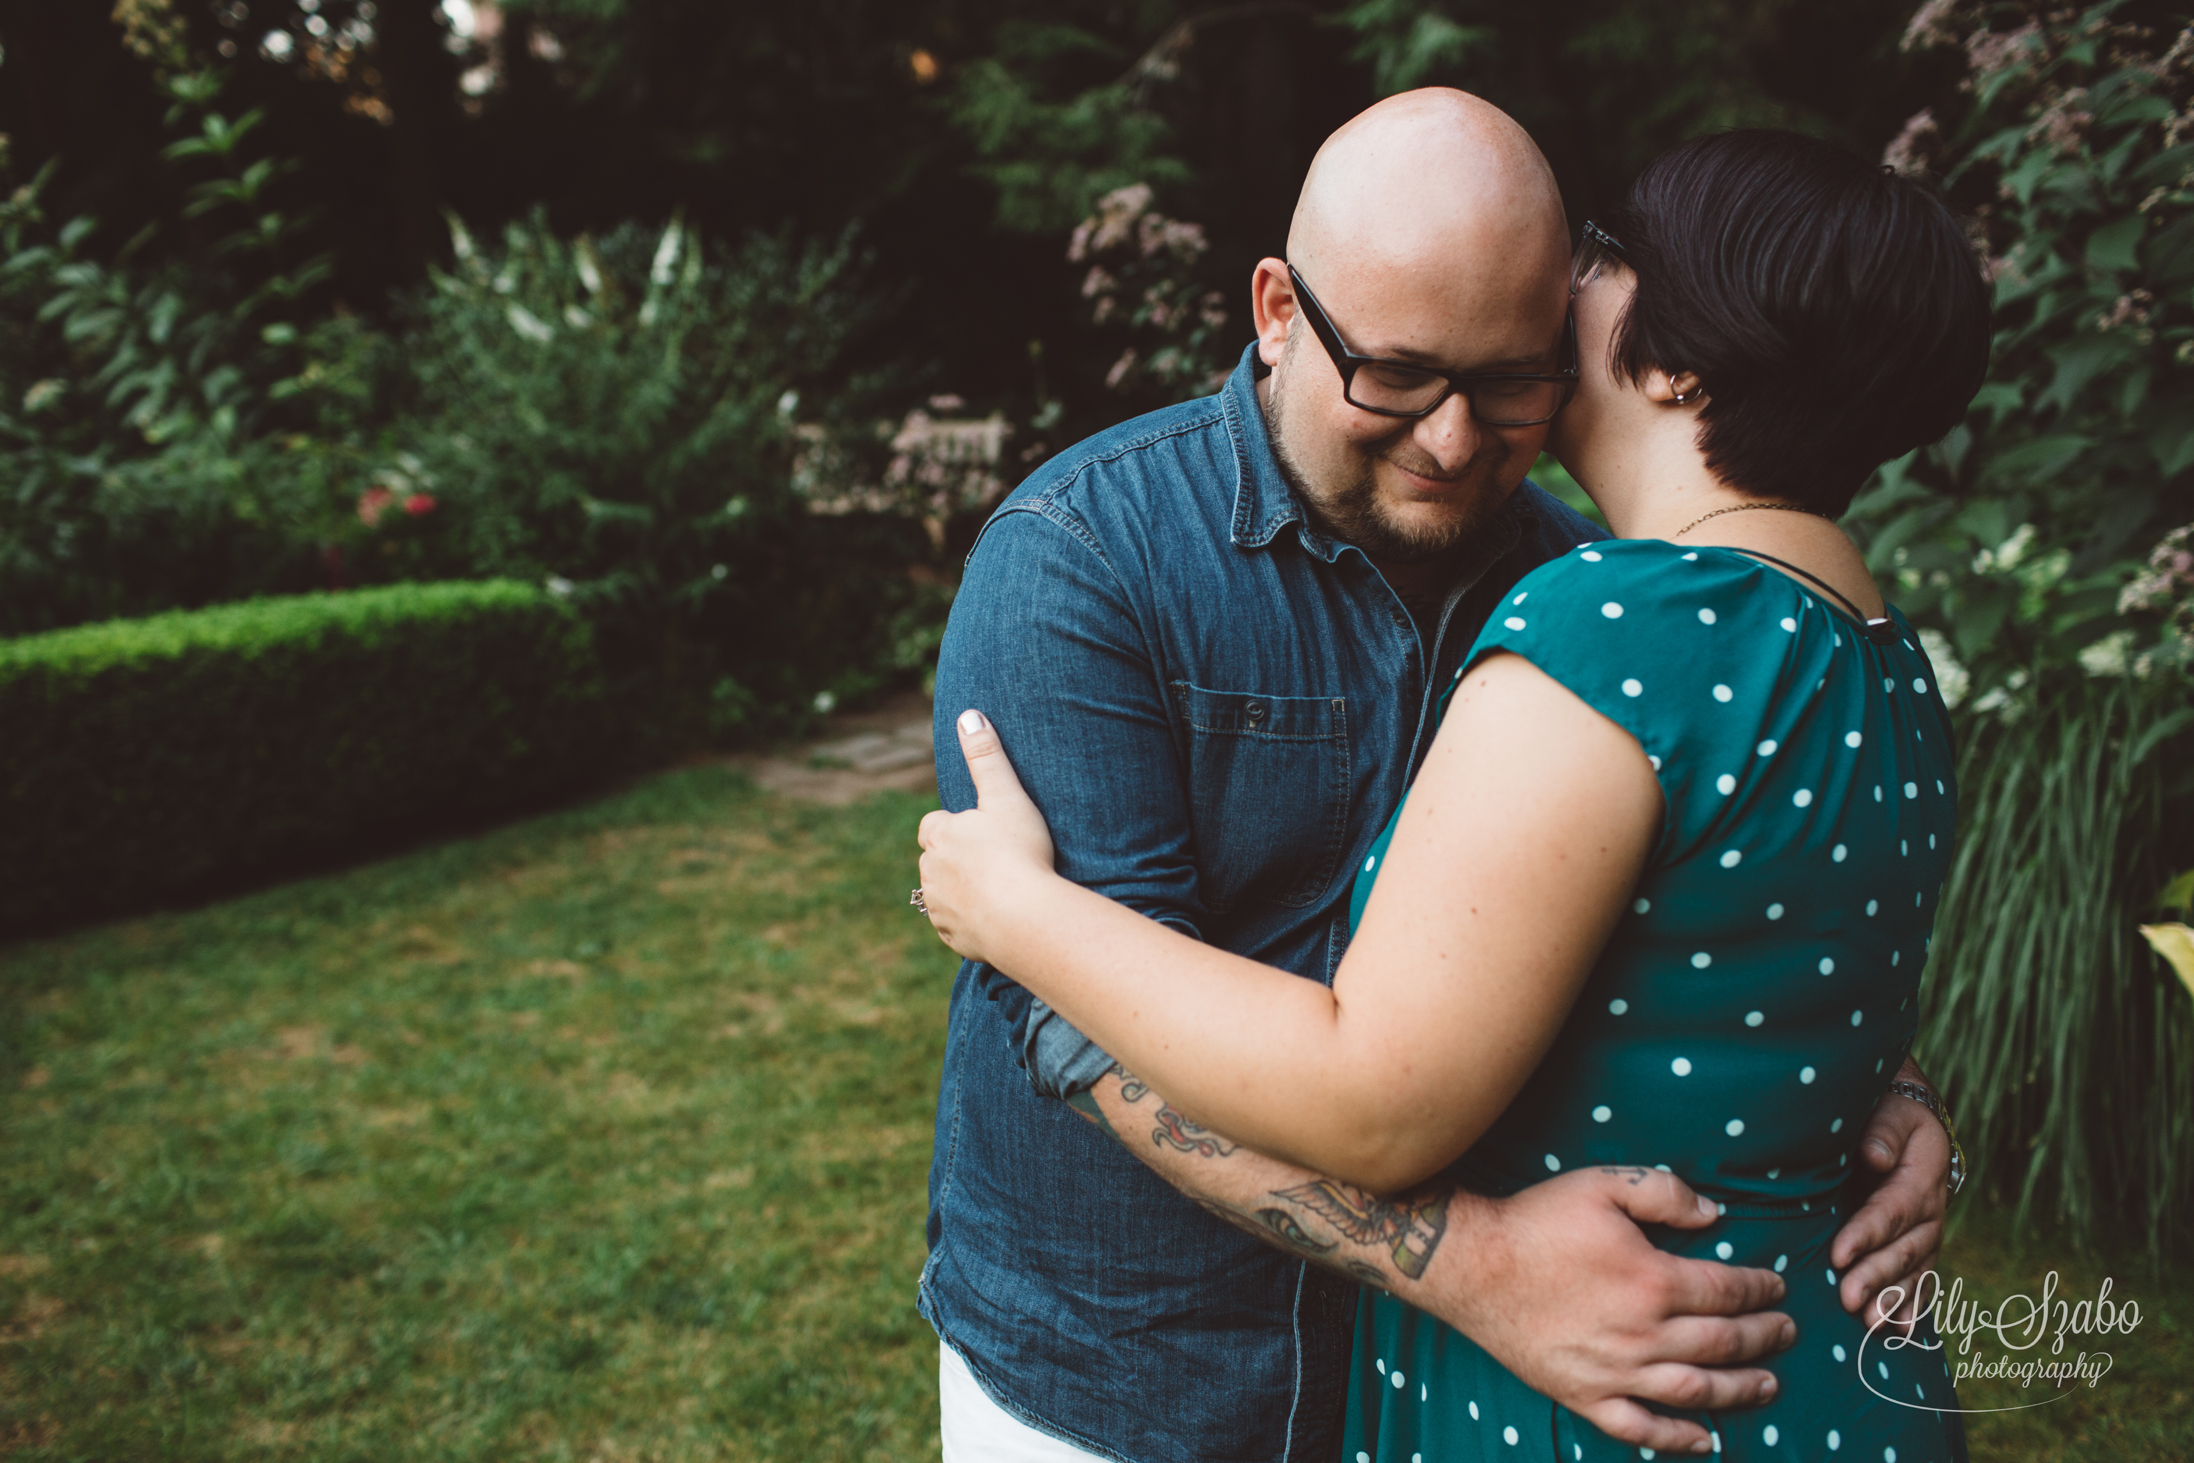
x,y
1925,1097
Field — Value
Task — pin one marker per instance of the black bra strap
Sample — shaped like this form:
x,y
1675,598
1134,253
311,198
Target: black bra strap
x,y
1879,630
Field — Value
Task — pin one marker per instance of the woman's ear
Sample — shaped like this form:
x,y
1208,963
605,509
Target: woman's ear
x,y
1679,388
1272,306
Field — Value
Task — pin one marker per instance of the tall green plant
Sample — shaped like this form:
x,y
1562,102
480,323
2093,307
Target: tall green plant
x,y
613,415
2071,147
2064,1043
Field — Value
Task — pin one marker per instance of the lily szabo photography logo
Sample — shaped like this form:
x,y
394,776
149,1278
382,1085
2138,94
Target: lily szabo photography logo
x,y
2027,1340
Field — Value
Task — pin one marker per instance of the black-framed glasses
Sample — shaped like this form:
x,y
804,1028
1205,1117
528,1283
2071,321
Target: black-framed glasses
x,y
1404,389
1596,248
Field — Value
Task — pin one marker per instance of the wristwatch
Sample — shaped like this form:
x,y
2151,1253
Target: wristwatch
x,y
1925,1097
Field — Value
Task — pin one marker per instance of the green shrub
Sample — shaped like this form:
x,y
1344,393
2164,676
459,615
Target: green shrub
x,y
618,413
147,759
2071,149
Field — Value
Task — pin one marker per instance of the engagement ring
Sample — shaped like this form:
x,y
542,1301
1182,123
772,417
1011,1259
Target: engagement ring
x,y
916,900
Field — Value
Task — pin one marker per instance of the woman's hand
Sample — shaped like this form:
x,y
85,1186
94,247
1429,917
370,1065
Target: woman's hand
x,y
982,868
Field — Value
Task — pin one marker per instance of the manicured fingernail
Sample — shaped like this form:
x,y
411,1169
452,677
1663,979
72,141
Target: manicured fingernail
x,y
971,721
1706,1205
1790,1334
1767,1389
1878,1149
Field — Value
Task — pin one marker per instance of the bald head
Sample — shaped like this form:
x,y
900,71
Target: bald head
x,y
1430,235
1432,180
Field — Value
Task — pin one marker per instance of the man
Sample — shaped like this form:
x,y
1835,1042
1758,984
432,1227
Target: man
x,y
1210,640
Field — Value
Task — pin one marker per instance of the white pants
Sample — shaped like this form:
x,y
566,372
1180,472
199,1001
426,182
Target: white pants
x,y
978,1430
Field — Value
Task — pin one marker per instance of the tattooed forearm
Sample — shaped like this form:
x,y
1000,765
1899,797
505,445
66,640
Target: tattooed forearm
x,y
1411,1223
1290,1230
1387,1243
1179,1131
1085,1103
1175,1129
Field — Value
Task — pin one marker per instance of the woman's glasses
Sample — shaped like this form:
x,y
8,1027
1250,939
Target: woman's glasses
x,y
1400,389
1596,249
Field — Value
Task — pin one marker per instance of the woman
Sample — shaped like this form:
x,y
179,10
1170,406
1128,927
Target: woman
x,y
1662,890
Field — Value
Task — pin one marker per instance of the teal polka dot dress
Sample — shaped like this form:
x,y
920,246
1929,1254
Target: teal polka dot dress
x,y
1751,1008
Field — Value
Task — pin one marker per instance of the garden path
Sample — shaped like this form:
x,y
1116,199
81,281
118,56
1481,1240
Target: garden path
x,y
859,754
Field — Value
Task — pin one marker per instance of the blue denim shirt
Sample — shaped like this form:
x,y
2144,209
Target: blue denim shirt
x,y
1216,707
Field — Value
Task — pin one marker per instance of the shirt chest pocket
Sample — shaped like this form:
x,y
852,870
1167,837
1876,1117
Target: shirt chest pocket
x,y
1268,784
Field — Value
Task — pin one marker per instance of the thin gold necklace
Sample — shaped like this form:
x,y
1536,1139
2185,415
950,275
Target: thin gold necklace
x,y
1741,507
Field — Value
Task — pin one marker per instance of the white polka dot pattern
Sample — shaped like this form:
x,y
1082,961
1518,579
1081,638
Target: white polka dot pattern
x,y
1713,1063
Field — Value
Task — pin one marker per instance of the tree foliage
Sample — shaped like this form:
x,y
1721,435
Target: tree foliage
x,y
1606,85
149,398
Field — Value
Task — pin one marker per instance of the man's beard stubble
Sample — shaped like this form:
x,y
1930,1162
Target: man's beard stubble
x,y
1351,513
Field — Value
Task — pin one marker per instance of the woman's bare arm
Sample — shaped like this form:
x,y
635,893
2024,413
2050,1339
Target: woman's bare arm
x,y
1524,834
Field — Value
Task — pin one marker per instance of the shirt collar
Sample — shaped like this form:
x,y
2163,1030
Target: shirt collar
x,y
1264,504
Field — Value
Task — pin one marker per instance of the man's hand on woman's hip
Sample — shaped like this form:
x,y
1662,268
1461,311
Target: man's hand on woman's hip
x,y
1561,1285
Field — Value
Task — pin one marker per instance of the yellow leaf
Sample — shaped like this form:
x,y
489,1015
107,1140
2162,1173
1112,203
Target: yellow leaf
x,y
2176,944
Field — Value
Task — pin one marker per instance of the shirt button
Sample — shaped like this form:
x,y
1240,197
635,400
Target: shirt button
x,y
1255,711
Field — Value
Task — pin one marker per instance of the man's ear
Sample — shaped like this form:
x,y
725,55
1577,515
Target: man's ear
x,y
1272,307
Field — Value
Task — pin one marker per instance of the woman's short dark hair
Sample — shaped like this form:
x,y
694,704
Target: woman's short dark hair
x,y
1834,311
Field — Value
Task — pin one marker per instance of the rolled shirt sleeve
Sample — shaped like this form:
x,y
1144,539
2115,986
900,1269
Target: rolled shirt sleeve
x,y
1045,642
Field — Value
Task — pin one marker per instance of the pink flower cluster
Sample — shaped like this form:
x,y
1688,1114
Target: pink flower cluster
x,y
1125,213
2166,585
377,500
1141,273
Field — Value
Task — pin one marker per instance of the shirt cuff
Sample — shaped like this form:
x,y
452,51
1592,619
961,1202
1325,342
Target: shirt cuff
x,y
1061,1062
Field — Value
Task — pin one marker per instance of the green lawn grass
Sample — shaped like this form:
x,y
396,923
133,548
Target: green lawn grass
x,y
599,1137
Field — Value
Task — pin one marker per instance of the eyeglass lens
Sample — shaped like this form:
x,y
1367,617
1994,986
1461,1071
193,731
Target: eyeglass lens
x,y
1380,386
1594,251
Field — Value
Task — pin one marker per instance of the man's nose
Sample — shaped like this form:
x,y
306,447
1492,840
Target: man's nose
x,y
1450,434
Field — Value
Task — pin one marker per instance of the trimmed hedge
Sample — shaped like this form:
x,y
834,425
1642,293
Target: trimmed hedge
x,y
150,759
